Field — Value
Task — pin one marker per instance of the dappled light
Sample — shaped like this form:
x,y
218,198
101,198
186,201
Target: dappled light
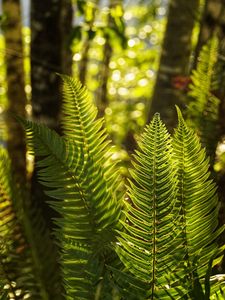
x,y
112,150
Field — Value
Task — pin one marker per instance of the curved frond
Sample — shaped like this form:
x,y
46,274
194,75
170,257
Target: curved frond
x,y
77,173
147,243
60,170
197,199
81,126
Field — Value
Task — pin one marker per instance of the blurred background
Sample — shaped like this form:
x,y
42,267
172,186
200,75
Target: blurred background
x,y
112,46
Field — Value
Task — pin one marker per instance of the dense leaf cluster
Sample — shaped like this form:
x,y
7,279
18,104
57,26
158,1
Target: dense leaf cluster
x,y
156,242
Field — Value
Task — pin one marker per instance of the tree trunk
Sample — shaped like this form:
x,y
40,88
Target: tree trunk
x,y
105,70
51,25
175,58
66,23
87,45
48,41
103,90
15,92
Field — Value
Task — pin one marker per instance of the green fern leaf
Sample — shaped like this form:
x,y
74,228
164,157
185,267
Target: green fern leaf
x,y
76,169
128,286
197,200
147,244
60,171
80,125
202,110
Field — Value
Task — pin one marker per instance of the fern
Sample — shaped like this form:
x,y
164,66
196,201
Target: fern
x,y
197,197
202,110
154,209
159,242
13,246
77,170
148,241
25,264
80,125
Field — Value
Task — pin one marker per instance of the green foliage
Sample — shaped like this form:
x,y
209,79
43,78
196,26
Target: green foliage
x,y
158,242
148,241
77,167
26,253
12,238
197,197
203,105
172,219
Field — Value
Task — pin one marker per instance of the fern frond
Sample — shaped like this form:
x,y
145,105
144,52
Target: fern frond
x,y
202,110
60,171
76,170
147,244
197,199
129,287
16,258
80,125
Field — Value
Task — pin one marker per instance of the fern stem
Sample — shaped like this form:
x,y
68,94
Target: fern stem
x,y
183,212
154,218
